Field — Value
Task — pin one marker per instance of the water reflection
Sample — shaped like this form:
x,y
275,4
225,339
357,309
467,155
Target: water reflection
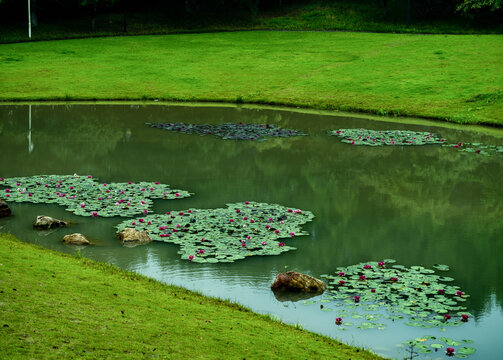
x,y
423,205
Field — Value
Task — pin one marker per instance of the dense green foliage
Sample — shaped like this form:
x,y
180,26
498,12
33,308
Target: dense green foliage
x,y
61,307
56,19
428,76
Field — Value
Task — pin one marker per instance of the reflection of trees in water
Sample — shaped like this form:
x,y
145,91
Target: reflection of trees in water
x,y
419,205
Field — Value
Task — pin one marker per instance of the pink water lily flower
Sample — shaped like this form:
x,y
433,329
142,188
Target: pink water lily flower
x,y
264,243
276,231
247,202
201,251
447,317
281,244
95,214
338,321
191,257
367,266
341,273
464,317
449,352
341,282
357,299
381,263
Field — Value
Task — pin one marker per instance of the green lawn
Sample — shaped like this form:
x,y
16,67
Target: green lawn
x,y
450,77
55,306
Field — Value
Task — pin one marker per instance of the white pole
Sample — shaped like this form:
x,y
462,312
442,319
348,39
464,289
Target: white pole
x,y
30,143
29,19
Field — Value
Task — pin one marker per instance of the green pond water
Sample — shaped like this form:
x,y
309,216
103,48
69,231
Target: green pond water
x,y
420,205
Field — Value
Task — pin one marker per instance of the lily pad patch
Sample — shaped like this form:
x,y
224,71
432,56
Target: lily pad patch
x,y
416,292
85,196
229,131
386,137
226,234
445,345
477,148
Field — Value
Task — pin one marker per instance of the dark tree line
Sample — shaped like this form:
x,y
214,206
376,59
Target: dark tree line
x,y
15,10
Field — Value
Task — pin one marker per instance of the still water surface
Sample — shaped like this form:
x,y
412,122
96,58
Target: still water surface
x,y
418,205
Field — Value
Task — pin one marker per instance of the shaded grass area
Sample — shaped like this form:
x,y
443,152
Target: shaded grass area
x,y
55,306
343,15
448,77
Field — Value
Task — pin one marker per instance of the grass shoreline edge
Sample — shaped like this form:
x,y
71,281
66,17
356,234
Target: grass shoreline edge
x,y
57,323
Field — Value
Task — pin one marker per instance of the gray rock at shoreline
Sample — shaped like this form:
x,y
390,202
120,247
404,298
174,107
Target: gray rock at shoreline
x,y
76,239
4,209
297,282
46,222
130,236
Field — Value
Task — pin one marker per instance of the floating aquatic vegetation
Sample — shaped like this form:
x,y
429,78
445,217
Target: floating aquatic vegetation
x,y
428,344
225,234
386,137
424,297
477,148
232,131
85,196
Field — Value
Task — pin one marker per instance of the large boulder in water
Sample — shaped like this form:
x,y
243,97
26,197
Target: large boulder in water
x,y
47,222
76,239
4,209
131,236
298,282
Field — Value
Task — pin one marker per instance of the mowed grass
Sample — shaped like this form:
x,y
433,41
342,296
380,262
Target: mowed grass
x,y
55,306
458,78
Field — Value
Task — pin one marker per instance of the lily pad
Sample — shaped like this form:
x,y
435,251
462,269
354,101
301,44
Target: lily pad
x,y
428,342
441,267
466,350
226,234
386,137
232,131
416,292
85,196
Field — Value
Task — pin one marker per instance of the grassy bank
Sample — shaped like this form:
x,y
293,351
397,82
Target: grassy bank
x,y
447,77
55,306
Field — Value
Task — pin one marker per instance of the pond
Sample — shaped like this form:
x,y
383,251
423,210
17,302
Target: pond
x,y
420,205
